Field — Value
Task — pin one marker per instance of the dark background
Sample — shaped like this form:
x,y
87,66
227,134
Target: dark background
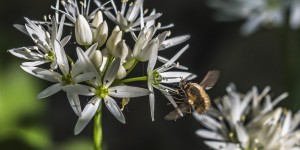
x,y
246,61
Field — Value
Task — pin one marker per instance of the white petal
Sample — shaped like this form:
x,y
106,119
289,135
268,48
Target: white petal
x,y
42,73
286,124
34,63
86,64
127,91
111,72
21,53
208,122
65,40
113,107
21,28
152,60
176,65
174,76
75,103
151,100
242,135
209,134
252,24
61,57
80,89
84,77
222,145
50,91
174,41
87,114
174,58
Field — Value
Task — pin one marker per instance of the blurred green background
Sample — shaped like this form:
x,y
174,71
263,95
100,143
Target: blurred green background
x,y
30,124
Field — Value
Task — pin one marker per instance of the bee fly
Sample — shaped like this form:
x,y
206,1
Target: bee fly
x,y
196,97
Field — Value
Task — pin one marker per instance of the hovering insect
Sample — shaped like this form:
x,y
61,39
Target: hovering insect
x,y
196,97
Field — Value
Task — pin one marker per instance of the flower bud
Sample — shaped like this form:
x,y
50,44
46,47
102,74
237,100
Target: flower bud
x,y
121,73
97,59
121,50
83,32
101,33
114,39
98,19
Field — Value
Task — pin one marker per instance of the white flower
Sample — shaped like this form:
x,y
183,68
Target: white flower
x,y
133,19
83,32
100,34
102,90
145,42
43,52
295,14
68,76
72,10
249,121
257,13
159,76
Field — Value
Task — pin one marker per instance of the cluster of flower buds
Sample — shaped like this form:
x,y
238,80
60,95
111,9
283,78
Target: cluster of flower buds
x,y
104,58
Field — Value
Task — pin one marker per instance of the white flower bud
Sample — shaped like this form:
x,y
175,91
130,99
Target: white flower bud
x,y
121,73
113,40
121,50
97,59
101,34
98,19
83,32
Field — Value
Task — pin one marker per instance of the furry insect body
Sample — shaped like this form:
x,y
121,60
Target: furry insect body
x,y
196,97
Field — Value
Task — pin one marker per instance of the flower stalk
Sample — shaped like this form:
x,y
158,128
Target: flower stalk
x,y
98,129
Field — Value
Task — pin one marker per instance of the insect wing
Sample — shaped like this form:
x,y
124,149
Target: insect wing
x,y
210,79
173,115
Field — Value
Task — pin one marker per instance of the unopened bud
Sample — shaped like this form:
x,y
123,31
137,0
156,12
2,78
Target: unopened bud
x,y
121,50
121,73
98,19
113,40
101,34
97,59
83,32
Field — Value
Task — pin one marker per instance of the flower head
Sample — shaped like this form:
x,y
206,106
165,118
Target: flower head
x,y
159,76
102,90
250,121
257,13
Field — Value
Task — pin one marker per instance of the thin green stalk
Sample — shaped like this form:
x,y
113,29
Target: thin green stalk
x,y
132,67
98,129
144,78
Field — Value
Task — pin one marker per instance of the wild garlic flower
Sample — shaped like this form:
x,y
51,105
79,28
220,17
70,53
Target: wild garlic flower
x,y
131,20
145,42
66,77
295,14
102,90
256,13
161,75
43,52
250,121
103,60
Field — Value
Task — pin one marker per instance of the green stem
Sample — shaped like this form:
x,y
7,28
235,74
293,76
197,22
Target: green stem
x,y
144,78
70,59
132,67
98,129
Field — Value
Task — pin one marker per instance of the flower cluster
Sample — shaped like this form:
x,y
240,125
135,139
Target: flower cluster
x,y
250,121
257,13
104,58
